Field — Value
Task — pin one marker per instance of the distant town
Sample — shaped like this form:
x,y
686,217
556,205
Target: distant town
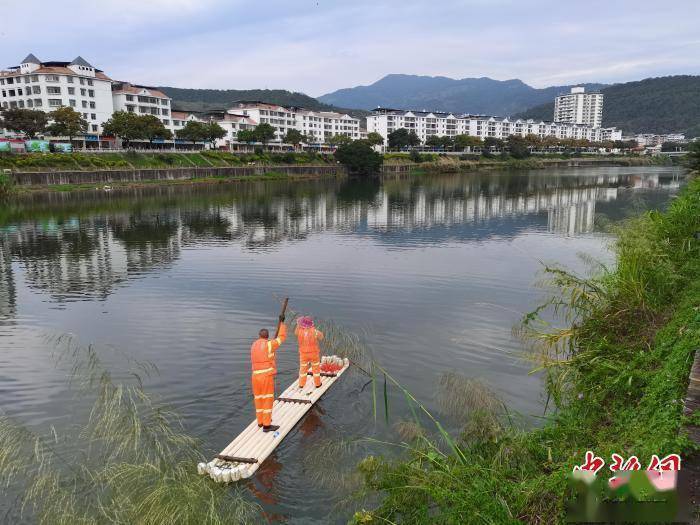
x,y
47,86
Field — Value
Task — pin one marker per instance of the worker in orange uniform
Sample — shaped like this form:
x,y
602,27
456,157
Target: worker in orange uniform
x,y
262,355
309,352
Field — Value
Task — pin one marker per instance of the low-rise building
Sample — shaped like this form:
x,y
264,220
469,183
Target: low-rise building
x,y
47,86
428,123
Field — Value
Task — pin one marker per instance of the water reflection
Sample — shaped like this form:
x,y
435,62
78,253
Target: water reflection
x,y
71,254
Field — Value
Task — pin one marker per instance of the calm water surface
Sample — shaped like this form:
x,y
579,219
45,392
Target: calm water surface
x,y
435,271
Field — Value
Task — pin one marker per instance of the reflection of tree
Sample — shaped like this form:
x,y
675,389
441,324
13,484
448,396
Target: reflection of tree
x,y
8,290
205,224
150,240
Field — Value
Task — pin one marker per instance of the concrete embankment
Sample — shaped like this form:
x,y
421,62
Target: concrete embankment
x,y
52,178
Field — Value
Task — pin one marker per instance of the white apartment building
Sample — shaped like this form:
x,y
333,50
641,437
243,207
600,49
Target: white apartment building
x,y
579,107
322,125
142,100
652,139
318,125
47,86
428,123
181,118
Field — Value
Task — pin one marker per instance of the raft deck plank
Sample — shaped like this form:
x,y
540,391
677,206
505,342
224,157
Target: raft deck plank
x,y
254,444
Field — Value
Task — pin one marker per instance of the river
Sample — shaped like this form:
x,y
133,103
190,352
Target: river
x,y
433,271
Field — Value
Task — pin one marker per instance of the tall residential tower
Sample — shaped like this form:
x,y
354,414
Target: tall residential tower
x,y
579,107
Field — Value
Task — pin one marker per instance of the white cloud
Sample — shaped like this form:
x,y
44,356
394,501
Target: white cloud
x,y
317,46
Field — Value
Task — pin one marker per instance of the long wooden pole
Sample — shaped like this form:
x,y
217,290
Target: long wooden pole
x,y
284,309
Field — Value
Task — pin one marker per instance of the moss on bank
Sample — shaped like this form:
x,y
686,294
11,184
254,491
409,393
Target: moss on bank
x,y
616,372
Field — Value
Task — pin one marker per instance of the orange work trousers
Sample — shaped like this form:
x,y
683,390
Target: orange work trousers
x,y
306,362
264,395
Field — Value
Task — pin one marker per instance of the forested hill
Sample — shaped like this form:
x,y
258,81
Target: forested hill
x,y
484,95
207,99
652,105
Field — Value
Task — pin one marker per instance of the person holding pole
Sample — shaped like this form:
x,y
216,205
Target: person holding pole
x,y
309,351
262,356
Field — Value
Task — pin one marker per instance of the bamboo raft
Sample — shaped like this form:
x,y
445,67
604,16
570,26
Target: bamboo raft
x,y
244,455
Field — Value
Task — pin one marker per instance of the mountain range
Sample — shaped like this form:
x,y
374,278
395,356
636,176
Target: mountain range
x,y
467,95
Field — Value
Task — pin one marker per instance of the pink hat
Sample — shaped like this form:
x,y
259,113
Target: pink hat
x,y
305,322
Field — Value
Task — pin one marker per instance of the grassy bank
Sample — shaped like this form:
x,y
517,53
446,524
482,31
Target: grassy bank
x,y
131,160
445,164
616,366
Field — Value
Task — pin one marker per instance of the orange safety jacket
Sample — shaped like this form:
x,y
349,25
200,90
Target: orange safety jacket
x,y
308,343
262,353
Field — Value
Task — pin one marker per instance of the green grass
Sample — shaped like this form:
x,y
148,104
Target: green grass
x,y
616,369
133,462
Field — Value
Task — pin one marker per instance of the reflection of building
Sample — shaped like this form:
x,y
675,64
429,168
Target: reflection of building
x,y
8,292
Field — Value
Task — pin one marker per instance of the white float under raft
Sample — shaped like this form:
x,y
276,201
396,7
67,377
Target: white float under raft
x,y
244,455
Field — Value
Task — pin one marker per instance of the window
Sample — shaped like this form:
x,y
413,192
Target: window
x,y
84,102
71,90
89,82
130,98
37,102
85,115
4,104
35,78
164,111
10,80
166,122
82,81
83,91
91,92
92,104
93,116
51,78
4,93
94,127
11,92
2,81
71,102
19,92
164,101
13,104
130,109
36,89
53,90
30,103
26,80
55,102
69,79
21,103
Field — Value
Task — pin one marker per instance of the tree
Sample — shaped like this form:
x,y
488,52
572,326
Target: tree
x,y
193,131
493,142
26,121
295,137
518,147
213,132
672,146
153,128
692,159
462,142
533,141
246,135
374,139
402,138
440,142
66,122
339,140
359,158
264,133
125,125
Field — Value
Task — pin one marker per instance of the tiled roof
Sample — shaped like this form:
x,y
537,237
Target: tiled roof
x,y
133,89
56,70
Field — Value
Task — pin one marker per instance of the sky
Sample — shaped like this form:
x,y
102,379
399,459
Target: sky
x,y
318,46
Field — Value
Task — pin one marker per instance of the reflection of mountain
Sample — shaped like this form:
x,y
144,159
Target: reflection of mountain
x,y
85,246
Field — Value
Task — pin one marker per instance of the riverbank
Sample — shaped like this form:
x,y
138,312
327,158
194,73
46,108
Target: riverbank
x,y
616,375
